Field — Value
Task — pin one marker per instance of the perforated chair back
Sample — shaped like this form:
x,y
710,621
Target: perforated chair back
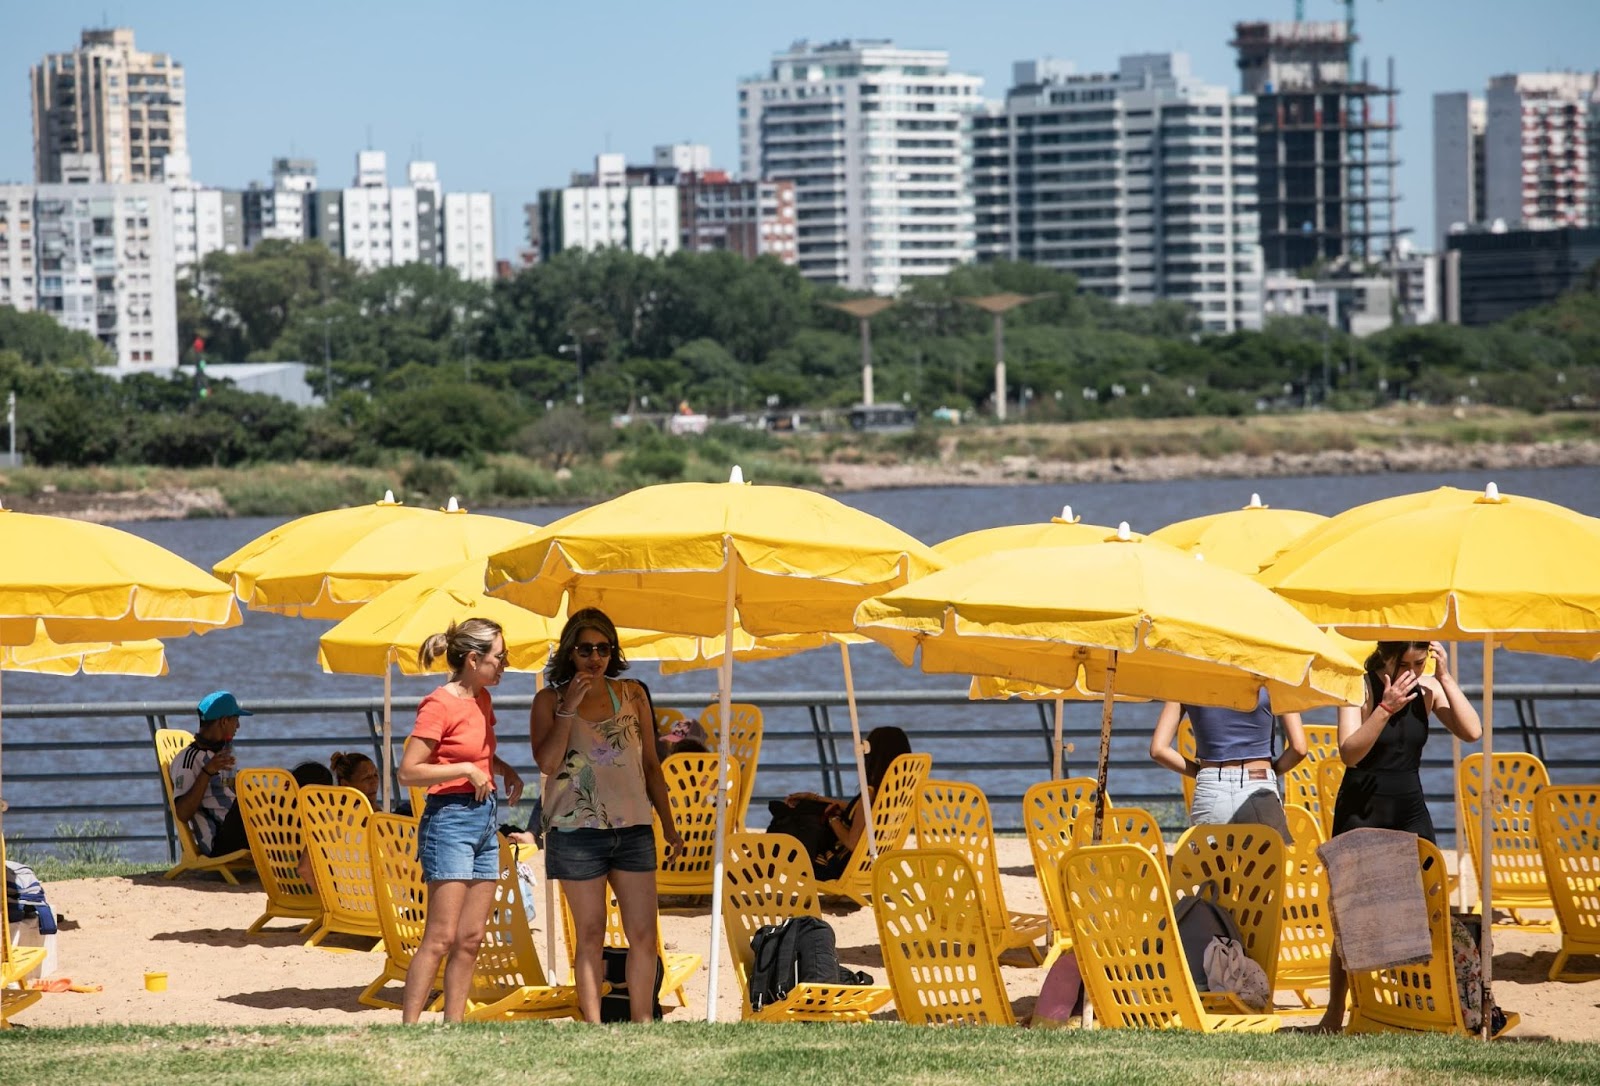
x,y
1188,751
893,815
508,979
666,718
170,742
402,899
1239,866
1305,946
692,795
417,797
334,823
1300,787
1518,866
676,966
935,939
1051,814
269,805
1569,839
744,743
1330,778
955,815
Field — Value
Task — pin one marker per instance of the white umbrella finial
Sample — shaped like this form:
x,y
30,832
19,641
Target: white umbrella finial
x,y
1255,502
388,498
1124,533
736,476
1491,493
1198,557
1066,515
452,506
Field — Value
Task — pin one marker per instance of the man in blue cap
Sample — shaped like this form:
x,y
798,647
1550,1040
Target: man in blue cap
x,y
202,777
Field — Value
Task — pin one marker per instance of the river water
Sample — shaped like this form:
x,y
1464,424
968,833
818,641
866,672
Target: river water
x,y
271,656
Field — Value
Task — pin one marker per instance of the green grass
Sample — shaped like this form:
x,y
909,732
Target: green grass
x,y
58,869
561,1054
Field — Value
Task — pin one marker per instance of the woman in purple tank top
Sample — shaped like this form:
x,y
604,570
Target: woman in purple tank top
x,y
1234,758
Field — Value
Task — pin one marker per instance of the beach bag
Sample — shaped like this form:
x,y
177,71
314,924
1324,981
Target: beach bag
x,y
1060,1002
799,950
1201,920
615,1005
1466,933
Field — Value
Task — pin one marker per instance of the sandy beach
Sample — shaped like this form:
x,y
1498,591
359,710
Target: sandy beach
x,y
116,929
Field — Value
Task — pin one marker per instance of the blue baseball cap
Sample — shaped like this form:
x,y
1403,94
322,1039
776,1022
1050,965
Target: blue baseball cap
x,y
218,704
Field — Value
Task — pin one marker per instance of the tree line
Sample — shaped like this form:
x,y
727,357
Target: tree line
x,y
417,359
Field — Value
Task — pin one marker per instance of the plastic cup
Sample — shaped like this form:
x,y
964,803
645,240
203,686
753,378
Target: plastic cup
x,y
155,982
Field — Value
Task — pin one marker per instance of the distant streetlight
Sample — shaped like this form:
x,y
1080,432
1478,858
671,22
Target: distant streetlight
x,y
863,310
999,305
575,348
327,363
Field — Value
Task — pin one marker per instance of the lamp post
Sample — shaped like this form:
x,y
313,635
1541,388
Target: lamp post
x,y
576,349
998,305
863,310
327,364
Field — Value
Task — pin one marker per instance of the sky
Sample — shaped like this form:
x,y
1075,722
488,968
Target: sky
x,y
511,97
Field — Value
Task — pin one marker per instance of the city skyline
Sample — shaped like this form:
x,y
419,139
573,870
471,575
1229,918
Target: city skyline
x,y
511,99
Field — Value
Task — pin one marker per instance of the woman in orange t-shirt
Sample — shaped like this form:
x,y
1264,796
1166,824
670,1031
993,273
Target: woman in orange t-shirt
x,y
452,752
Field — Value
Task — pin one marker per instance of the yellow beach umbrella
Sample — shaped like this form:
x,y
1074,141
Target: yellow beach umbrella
x,y
1117,618
1241,539
327,564
695,557
1063,531
1455,565
42,656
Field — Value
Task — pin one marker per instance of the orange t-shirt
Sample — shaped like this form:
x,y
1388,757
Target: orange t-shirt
x,y
463,728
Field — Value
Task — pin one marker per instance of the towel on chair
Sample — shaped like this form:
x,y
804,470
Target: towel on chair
x,y
1380,916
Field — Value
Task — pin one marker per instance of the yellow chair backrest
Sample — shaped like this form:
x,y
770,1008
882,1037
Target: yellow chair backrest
x,y
1239,866
1415,997
269,805
1300,783
169,744
666,718
934,932
334,822
766,880
1126,939
1127,826
1330,776
1306,943
1518,866
955,815
744,743
1187,750
507,958
691,794
401,893
1569,837
1051,811
416,796
893,813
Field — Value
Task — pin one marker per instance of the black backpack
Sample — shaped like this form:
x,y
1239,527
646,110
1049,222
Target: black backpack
x,y
614,1005
1201,920
799,950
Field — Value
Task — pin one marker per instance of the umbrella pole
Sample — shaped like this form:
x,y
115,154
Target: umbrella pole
x,y
859,748
1455,775
1486,805
1056,769
724,702
554,963
2,789
388,747
1105,748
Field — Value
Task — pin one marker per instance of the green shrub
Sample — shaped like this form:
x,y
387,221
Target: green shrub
x,y
435,479
657,464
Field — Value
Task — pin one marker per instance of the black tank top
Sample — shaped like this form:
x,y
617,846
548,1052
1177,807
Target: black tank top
x,y
1398,748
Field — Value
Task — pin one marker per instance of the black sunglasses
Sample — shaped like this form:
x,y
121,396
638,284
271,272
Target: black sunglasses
x,y
593,648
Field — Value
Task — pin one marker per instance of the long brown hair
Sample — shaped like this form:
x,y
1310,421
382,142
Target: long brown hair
x,y
1383,656
560,669
473,635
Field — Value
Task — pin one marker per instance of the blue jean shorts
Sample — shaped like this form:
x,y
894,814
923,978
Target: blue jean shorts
x,y
1219,791
580,855
458,838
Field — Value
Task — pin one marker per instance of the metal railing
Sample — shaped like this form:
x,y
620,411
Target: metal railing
x,y
1001,746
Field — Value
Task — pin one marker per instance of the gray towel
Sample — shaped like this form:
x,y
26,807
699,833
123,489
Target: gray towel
x,y
1380,916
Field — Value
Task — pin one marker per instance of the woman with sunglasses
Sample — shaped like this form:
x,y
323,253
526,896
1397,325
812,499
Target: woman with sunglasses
x,y
594,740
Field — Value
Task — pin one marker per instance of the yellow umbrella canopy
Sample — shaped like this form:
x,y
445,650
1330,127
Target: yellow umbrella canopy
x,y
327,564
1063,531
43,656
1240,539
76,581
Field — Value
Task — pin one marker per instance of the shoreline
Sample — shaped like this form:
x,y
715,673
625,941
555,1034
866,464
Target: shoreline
x,y
842,476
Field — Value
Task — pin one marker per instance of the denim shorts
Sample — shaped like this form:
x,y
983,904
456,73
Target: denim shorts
x,y
1220,790
458,838
581,855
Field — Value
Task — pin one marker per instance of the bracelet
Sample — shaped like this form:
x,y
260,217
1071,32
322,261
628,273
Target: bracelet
x,y
569,712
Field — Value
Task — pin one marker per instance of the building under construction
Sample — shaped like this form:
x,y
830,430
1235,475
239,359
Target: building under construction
x,y
1325,142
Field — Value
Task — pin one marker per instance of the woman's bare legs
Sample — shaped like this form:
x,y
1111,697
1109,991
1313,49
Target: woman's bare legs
x,y
636,898
457,912
1338,987
586,901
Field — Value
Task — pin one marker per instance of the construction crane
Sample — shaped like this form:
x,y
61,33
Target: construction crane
x,y
1349,27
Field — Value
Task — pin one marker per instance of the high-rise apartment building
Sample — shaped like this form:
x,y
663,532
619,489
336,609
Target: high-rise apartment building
x,y
107,112
1540,145
466,241
614,207
750,218
277,212
874,139
1141,181
1459,122
1324,142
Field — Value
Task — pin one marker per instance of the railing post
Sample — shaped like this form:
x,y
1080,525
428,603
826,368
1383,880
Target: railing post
x,y
157,721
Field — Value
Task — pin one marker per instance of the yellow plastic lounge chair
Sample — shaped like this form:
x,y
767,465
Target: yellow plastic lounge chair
x,y
1569,838
893,812
1126,941
333,822
744,743
692,793
169,744
767,880
16,962
1417,998
1240,867
402,900
269,804
1330,775
1300,783
934,933
666,718
1305,946
1050,814
509,981
1519,877
955,815
676,966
